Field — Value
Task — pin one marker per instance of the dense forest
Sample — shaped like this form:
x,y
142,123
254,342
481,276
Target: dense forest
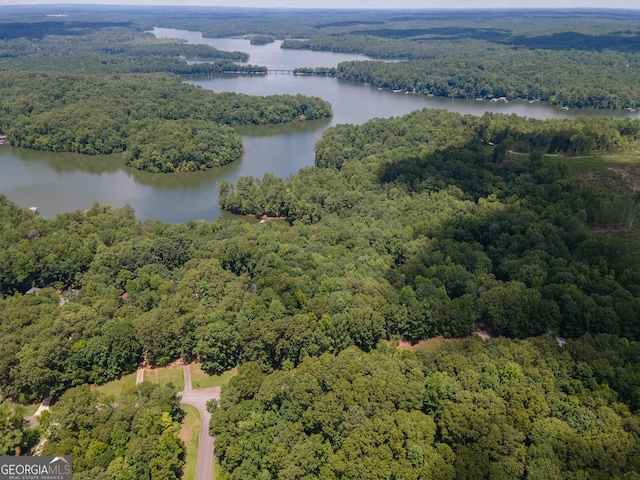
x,y
405,229
462,202
502,409
135,438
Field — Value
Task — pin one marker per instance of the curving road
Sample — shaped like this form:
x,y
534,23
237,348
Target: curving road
x,y
199,398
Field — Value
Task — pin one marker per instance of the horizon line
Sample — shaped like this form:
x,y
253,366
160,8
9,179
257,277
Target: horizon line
x,y
234,7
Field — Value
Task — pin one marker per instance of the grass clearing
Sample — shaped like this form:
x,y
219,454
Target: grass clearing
x,y
579,166
170,374
114,388
30,409
190,435
27,409
615,182
200,379
164,375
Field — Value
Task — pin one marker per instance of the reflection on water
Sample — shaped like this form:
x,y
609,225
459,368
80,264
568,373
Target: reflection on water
x,y
295,128
171,181
66,162
61,182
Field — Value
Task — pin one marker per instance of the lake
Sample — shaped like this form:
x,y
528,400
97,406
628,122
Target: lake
x,y
58,183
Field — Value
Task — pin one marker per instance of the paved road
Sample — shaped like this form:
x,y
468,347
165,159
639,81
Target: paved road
x,y
199,398
33,419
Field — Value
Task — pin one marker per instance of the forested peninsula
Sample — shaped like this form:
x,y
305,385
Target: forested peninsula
x,y
120,92
351,319
159,123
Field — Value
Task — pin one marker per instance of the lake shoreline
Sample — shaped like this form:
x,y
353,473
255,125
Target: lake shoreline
x,y
63,182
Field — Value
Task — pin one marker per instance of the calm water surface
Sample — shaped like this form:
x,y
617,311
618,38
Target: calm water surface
x,y
63,182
